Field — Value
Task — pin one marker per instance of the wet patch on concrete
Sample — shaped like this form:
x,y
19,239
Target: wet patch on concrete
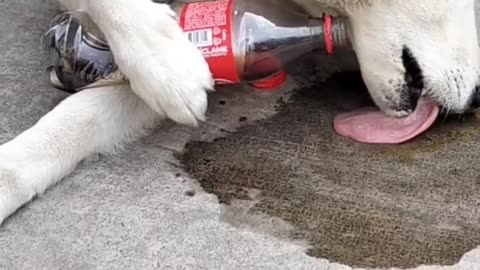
x,y
360,205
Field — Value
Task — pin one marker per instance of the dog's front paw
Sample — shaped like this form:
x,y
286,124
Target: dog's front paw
x,y
173,80
164,68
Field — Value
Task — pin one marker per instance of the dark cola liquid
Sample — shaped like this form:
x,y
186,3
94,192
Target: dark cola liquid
x,y
269,47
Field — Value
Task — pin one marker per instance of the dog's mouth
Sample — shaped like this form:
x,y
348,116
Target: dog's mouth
x,y
372,126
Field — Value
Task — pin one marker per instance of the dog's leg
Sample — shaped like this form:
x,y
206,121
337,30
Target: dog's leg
x,y
166,70
93,121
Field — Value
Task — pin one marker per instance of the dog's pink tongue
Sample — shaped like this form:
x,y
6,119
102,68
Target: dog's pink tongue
x,y
374,127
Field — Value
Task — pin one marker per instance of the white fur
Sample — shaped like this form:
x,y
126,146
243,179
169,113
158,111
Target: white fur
x,y
169,78
441,35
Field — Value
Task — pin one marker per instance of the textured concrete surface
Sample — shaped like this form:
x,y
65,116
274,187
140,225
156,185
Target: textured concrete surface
x,y
405,205
138,210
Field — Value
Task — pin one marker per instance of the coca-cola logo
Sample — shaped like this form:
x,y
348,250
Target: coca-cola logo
x,y
92,72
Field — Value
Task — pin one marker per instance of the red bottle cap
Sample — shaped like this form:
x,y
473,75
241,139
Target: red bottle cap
x,y
329,46
272,83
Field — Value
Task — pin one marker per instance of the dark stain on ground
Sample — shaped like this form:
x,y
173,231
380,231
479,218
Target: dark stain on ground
x,y
363,206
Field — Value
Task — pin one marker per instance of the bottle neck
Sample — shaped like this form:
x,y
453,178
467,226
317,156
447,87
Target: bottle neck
x,y
269,47
329,34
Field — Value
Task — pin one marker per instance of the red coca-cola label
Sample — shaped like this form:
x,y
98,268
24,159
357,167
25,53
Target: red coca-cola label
x,y
208,26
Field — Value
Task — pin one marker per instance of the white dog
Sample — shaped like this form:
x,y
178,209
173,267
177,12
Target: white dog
x,y
406,48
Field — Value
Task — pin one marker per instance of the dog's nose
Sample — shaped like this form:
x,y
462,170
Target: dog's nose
x,y
414,94
475,103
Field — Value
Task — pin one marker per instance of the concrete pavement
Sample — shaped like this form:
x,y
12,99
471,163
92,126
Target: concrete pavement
x,y
137,210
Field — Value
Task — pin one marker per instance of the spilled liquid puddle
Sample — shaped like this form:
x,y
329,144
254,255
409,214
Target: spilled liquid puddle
x,y
359,205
